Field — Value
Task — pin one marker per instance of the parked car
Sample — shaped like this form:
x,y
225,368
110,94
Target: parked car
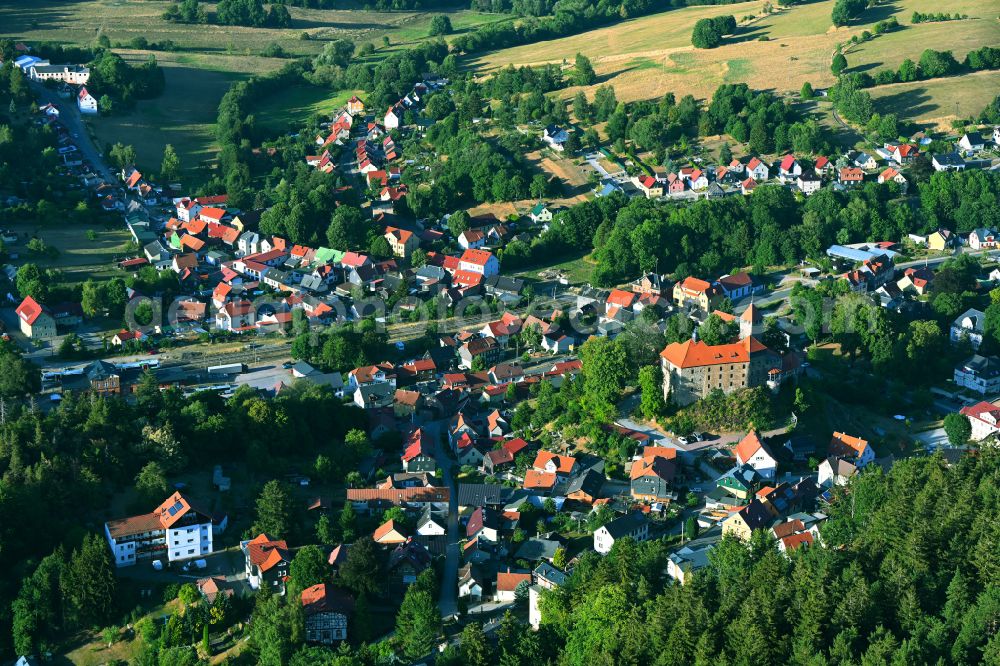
x,y
195,564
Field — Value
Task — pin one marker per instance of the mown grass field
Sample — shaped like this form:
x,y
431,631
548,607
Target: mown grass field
x,y
937,102
83,21
297,104
649,56
79,258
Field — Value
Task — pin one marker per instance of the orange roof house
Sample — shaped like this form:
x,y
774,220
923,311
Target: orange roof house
x,y
546,461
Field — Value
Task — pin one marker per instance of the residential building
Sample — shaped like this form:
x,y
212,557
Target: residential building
x,y
979,373
684,562
948,162
35,320
741,481
555,137
737,286
355,106
479,261
507,583
586,487
851,176
471,239
699,294
406,562
971,142
266,562
389,533
742,523
865,161
486,348
175,530
471,582
789,169
326,609
540,213
402,241
752,451
652,476
855,449
891,175
835,471
968,326
418,453
649,186
940,240
984,417
982,238
632,525
562,466
367,500
757,170
86,102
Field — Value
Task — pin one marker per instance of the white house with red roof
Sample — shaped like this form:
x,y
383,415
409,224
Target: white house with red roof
x,y
984,417
789,168
479,261
891,175
86,102
393,117
752,451
757,170
36,321
902,153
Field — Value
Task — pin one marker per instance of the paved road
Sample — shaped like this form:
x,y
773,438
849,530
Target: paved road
x,y
447,600
69,115
991,254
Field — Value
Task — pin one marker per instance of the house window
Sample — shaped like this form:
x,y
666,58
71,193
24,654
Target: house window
x,y
191,551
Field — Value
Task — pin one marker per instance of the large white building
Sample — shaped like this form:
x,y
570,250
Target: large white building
x,y
76,75
175,530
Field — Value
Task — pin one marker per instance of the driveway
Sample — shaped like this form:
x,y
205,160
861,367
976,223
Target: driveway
x,y
69,116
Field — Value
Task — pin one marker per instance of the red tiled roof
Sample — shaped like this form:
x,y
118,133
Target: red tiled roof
x,y
29,310
508,582
564,464
691,354
477,257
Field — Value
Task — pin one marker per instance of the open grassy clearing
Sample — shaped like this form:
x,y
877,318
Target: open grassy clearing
x,y
79,258
937,102
650,56
184,116
297,104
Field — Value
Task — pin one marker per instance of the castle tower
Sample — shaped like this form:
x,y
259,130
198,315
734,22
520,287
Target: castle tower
x,y
751,322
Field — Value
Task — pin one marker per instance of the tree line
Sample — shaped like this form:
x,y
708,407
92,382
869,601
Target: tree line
x,y
249,13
